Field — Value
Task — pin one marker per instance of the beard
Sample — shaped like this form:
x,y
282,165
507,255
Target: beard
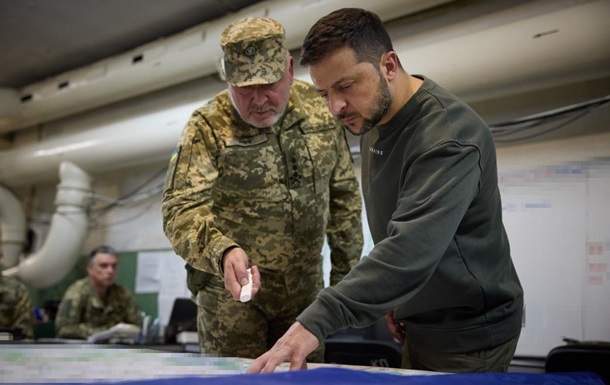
x,y
263,123
269,121
383,101
381,104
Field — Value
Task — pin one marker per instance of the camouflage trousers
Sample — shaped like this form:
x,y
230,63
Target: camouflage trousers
x,y
231,328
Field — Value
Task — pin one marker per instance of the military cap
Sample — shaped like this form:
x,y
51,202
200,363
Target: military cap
x,y
254,51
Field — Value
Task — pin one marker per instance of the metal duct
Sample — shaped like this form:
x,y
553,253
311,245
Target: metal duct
x,y
12,227
130,142
9,106
69,227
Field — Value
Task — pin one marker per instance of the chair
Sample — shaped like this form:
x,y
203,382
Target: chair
x,y
581,357
369,346
362,352
183,318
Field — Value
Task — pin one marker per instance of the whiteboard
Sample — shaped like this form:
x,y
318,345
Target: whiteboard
x,y
555,217
596,298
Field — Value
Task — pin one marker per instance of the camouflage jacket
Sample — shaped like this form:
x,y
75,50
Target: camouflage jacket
x,y
16,309
82,312
276,192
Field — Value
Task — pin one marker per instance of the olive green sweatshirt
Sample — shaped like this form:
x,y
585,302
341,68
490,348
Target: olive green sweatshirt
x,y
441,254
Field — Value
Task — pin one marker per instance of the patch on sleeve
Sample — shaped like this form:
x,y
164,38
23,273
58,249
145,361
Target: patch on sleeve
x,y
171,171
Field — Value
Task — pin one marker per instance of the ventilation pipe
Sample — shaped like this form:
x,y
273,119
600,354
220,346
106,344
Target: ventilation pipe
x,y
9,106
67,233
131,142
12,227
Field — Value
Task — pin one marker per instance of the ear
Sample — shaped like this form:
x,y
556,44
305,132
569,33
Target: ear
x,y
389,65
291,67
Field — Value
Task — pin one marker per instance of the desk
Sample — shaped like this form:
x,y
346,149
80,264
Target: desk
x,y
36,363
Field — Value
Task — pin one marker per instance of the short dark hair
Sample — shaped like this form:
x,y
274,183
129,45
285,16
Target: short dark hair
x,y
355,28
101,250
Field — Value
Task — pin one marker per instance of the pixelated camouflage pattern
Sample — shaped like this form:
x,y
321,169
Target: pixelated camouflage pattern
x,y
275,192
254,51
235,329
82,312
16,309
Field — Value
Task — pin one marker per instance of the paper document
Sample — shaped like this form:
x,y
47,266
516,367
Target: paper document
x,y
121,332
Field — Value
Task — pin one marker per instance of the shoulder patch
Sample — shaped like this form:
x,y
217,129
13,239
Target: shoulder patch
x,y
171,171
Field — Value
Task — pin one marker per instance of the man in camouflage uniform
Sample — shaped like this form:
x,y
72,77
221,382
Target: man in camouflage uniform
x,y
16,311
96,303
262,173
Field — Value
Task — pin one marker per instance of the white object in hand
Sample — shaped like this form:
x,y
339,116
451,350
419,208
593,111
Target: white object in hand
x,y
246,291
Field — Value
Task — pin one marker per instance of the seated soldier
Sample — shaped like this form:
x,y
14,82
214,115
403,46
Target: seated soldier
x,y
16,311
96,303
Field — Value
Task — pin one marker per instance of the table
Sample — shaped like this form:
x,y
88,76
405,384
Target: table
x,y
79,364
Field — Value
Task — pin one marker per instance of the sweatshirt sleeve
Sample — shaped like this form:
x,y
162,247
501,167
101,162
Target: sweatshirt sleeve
x,y
344,230
434,197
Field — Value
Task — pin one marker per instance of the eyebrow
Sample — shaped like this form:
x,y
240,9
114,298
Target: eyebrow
x,y
334,84
108,263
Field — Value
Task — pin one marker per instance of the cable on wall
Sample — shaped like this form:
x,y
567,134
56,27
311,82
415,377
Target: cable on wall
x,y
532,126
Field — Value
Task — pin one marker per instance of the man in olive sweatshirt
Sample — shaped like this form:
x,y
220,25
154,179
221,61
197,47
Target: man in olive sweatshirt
x,y
441,270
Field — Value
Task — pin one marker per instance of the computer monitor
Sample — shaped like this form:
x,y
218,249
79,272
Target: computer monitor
x,y
183,318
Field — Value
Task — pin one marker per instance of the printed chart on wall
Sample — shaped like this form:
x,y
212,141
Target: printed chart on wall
x,y
162,273
558,222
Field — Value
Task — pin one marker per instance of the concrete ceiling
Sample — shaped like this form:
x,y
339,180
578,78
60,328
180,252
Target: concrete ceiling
x,y
43,38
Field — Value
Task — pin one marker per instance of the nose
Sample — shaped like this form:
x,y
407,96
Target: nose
x,y
258,96
336,104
